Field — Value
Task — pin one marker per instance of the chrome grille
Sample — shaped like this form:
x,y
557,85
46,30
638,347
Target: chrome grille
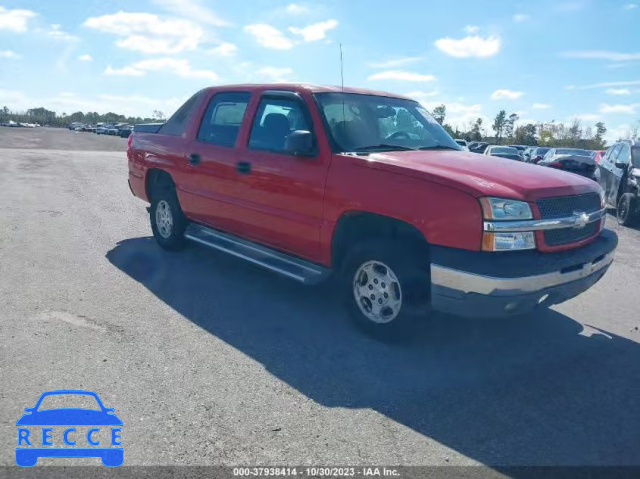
x,y
563,206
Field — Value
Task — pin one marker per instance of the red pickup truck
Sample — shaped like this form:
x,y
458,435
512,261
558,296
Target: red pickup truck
x,y
366,189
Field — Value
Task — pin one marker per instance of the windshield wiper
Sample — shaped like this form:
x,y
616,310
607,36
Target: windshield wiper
x,y
382,147
438,147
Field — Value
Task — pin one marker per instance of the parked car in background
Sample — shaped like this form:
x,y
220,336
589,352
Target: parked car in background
x,y
520,148
124,131
478,146
526,154
462,143
74,125
503,152
112,130
538,153
573,160
619,175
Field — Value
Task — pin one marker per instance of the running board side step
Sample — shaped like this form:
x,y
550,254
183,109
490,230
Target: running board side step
x,y
282,263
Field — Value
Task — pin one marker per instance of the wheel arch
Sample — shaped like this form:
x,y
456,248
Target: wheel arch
x,y
354,226
157,178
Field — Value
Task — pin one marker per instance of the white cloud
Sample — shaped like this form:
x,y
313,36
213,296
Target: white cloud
x,y
471,29
296,9
471,46
541,106
621,109
401,75
269,37
85,58
604,85
602,55
630,6
16,21
315,32
394,63
225,49
59,35
9,54
587,117
506,95
520,17
275,74
148,33
194,10
176,66
618,91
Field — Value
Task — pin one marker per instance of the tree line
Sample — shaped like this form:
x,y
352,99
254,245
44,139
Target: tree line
x,y
51,118
506,131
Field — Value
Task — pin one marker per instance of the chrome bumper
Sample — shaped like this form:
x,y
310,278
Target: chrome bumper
x,y
472,283
482,284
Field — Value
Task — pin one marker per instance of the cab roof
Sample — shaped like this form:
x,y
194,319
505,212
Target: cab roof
x,y
298,87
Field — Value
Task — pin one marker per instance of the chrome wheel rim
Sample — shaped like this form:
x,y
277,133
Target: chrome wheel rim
x,y
377,292
164,219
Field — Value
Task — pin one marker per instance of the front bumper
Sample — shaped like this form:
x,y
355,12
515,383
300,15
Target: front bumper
x,y
483,284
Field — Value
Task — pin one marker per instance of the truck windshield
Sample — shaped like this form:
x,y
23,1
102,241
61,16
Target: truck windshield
x,y
377,123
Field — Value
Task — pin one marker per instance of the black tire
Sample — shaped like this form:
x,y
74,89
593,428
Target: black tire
x,y
169,238
627,210
410,265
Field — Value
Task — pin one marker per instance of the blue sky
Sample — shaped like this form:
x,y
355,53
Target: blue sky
x,y
546,60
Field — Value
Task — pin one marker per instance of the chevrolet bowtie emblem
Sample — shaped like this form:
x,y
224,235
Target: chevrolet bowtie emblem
x,y
582,219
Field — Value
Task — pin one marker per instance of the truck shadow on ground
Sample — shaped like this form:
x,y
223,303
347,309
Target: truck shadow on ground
x,y
528,391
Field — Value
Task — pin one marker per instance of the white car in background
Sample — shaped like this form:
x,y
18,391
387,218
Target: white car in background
x,y
463,143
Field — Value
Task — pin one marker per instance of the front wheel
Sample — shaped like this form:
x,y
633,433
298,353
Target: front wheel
x,y
627,210
387,287
167,220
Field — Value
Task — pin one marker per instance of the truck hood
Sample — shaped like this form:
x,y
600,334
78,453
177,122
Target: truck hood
x,y
480,175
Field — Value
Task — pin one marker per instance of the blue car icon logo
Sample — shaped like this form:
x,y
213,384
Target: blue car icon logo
x,y
43,428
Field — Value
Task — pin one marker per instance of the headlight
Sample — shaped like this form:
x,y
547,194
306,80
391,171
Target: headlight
x,y
508,241
503,209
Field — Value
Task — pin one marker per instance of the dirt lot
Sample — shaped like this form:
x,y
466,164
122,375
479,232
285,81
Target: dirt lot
x,y
208,360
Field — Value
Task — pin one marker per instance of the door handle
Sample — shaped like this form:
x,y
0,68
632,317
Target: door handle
x,y
243,167
194,159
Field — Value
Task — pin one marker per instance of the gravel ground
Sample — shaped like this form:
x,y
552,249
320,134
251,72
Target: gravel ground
x,y
208,360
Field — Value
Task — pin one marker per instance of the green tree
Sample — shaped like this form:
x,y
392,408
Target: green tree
x,y
498,126
598,140
525,135
510,125
440,113
476,130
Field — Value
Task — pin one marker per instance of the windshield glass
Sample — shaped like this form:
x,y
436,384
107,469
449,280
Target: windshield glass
x,y
65,401
572,151
635,156
379,123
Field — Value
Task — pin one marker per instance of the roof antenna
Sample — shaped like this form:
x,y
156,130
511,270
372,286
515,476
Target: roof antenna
x,y
344,117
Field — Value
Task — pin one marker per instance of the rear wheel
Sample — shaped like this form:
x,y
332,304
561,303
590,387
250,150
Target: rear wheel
x,y
627,210
386,287
168,223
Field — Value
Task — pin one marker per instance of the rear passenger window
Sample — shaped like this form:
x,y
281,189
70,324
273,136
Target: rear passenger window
x,y
178,121
223,118
274,122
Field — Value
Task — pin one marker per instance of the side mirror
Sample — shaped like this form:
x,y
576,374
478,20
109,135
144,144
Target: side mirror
x,y
620,164
29,409
300,143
